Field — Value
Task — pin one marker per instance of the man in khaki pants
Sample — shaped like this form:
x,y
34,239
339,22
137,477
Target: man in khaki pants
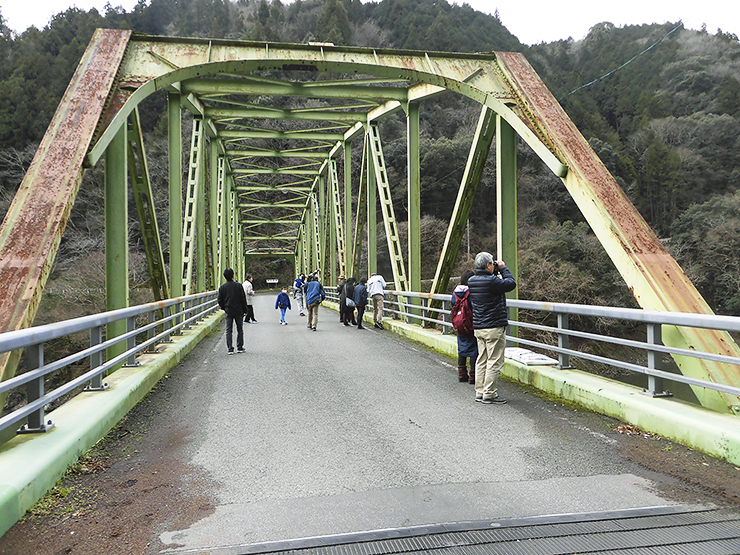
x,y
488,286
375,286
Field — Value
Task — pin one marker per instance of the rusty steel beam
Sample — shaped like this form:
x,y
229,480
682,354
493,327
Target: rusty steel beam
x,y
33,227
654,277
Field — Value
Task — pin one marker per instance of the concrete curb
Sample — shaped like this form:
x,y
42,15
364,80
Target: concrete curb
x,y
30,465
690,425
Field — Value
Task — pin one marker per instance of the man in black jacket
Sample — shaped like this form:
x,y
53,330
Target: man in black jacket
x,y
233,301
487,295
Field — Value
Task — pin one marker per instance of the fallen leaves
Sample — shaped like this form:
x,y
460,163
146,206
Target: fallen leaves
x,y
631,430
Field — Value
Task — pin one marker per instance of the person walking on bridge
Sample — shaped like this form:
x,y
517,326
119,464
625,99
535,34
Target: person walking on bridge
x,y
299,284
487,295
283,303
314,295
249,292
233,301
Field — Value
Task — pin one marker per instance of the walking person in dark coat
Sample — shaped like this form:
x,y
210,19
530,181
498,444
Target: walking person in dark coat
x,y
233,301
314,295
487,294
283,303
361,301
467,344
347,301
342,297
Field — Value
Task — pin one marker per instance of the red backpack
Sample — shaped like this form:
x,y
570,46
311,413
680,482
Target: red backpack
x,y
462,314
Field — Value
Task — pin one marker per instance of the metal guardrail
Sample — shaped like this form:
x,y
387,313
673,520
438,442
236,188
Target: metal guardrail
x,y
397,305
163,319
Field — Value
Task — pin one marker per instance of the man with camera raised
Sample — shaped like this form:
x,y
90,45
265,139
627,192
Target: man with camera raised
x,y
492,280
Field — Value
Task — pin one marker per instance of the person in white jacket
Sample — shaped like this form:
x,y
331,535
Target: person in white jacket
x,y
375,286
249,292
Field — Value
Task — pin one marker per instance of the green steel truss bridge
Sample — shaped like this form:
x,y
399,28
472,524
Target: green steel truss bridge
x,y
243,197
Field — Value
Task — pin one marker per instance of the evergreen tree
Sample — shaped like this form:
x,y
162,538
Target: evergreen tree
x,y
333,25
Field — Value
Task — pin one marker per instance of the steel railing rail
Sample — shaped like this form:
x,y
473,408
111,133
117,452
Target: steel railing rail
x,y
654,320
171,316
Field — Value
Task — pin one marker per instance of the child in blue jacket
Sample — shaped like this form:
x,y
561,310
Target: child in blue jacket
x,y
283,303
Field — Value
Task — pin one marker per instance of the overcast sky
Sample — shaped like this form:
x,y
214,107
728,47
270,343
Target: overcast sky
x,y
531,21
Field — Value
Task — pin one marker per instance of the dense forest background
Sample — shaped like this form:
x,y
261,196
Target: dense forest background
x,y
666,124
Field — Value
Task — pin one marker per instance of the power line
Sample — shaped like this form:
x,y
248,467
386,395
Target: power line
x,y
626,63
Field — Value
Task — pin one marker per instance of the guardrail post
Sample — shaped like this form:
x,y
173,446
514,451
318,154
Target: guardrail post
x,y
151,318
186,315
563,342
34,391
446,317
198,312
131,343
655,384
167,324
96,360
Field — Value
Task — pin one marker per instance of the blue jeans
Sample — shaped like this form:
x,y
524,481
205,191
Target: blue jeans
x,y
232,319
282,314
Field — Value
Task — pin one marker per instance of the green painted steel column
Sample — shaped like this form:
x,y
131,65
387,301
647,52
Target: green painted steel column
x,y
235,238
332,240
225,225
348,262
372,214
322,229
200,224
116,235
314,235
175,178
213,214
414,199
506,203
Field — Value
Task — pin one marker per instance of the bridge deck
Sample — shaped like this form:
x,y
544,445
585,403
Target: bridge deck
x,y
342,430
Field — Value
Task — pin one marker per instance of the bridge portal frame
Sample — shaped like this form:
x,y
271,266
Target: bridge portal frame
x,y
122,69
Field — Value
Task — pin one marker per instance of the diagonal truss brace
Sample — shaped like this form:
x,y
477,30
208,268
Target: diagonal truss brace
x,y
337,213
360,219
142,191
195,169
465,197
386,205
315,229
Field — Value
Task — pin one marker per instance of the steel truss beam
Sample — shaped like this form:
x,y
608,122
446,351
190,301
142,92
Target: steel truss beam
x,y
386,206
336,211
119,70
465,197
193,193
144,199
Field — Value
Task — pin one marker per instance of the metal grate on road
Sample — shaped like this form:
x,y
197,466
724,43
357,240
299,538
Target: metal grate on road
x,y
655,531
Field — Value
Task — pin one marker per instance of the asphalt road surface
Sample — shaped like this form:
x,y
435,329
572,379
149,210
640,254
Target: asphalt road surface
x,y
344,430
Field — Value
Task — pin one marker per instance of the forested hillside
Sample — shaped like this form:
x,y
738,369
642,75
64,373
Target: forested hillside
x,y
666,124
